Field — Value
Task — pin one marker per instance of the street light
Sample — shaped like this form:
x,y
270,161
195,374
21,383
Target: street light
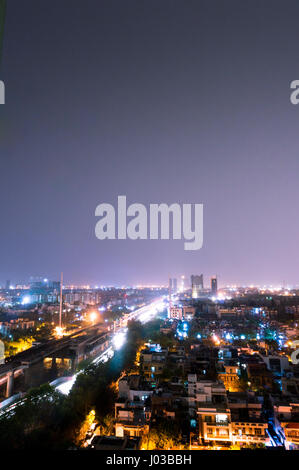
x,y
93,316
59,331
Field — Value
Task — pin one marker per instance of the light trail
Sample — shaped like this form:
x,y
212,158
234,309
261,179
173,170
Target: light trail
x,y
143,314
65,384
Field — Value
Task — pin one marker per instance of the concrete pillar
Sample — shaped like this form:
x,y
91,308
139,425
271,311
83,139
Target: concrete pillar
x,y
74,363
9,384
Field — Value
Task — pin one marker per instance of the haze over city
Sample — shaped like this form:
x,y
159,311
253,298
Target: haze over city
x,y
164,102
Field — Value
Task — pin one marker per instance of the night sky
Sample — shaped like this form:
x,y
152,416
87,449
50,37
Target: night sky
x,y
161,101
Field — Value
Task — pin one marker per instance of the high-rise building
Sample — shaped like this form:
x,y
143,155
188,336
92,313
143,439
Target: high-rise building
x,y
173,285
196,285
182,286
170,285
169,296
214,286
7,285
43,291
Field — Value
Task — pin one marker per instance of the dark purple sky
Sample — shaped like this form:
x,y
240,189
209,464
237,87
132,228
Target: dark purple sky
x,y
163,101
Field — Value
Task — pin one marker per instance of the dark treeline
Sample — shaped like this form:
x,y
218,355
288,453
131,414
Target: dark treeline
x,y
49,420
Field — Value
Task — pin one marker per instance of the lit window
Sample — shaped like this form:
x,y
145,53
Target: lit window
x,y
221,418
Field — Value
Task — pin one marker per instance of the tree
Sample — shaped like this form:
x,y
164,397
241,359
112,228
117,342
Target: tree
x,y
106,425
164,434
43,333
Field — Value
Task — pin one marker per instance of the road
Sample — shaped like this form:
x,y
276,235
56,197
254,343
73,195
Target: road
x,y
143,314
65,384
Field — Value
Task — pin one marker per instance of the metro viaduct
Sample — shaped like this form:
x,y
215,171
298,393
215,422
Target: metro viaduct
x,y
80,345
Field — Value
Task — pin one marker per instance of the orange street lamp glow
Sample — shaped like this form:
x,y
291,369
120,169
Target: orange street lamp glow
x,y
216,339
59,331
93,316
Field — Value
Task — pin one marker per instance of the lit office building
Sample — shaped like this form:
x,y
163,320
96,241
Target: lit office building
x,y
214,286
197,285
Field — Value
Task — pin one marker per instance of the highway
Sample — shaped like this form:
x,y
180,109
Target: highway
x,y
143,314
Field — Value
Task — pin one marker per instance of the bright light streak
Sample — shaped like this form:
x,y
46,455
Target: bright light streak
x,y
216,339
59,331
93,316
26,300
119,339
66,387
105,356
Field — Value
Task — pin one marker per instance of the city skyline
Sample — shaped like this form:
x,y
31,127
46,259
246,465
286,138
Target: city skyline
x,y
207,279
149,281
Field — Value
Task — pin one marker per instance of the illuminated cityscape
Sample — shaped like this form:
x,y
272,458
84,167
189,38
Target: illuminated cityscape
x,y
215,371
149,283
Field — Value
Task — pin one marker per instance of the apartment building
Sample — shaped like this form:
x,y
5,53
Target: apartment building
x,y
152,361
226,418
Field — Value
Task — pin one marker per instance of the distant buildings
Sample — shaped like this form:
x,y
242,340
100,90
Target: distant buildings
x,y
6,327
182,313
182,284
214,287
83,296
176,313
229,313
196,285
42,292
173,285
